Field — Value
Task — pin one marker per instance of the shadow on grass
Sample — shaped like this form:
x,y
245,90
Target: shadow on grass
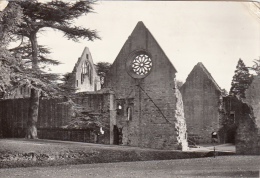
x,y
230,174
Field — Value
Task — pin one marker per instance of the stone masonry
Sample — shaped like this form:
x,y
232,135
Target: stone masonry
x,y
249,142
201,96
143,79
84,76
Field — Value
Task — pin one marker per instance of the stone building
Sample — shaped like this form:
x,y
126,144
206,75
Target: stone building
x,y
84,76
149,107
201,96
248,141
239,122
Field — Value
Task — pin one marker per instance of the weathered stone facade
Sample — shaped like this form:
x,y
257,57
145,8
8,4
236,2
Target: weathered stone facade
x,y
240,122
201,96
229,117
250,126
253,98
143,80
240,125
84,76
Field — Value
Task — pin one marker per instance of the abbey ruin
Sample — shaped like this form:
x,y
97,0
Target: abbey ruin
x,y
141,105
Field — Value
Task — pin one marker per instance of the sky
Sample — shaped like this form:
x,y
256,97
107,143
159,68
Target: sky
x,y
216,33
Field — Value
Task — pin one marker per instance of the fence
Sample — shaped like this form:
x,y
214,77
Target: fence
x,y
53,114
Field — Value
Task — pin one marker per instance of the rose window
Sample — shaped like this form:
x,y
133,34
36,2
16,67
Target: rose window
x,y
142,64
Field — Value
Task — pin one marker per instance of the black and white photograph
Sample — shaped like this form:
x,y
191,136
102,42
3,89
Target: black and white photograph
x,y
129,89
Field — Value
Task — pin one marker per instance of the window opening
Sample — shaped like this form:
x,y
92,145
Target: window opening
x,y
84,68
129,114
142,64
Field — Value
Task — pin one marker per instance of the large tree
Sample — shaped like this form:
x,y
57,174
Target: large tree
x,y
241,80
36,17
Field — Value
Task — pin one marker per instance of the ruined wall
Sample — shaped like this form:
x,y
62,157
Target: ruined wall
x,y
201,95
150,121
253,98
84,76
229,118
240,119
248,130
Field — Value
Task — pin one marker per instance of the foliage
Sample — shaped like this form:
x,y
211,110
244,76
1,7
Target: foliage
x,y
36,16
256,66
80,119
9,64
241,80
56,15
25,50
102,70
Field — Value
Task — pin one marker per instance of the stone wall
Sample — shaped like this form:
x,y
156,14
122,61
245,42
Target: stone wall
x,y
229,118
253,98
240,124
146,105
201,95
248,130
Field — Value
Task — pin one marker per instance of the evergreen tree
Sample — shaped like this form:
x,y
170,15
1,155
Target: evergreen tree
x,y
37,16
241,80
102,70
256,66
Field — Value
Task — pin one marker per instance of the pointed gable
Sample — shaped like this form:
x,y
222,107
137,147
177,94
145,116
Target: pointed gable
x,y
85,56
141,42
199,73
200,94
150,42
201,67
84,75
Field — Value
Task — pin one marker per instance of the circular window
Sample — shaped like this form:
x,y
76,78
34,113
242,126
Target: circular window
x,y
139,64
142,64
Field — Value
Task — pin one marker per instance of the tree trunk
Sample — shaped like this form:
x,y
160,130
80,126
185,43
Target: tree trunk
x,y
34,98
34,43
33,115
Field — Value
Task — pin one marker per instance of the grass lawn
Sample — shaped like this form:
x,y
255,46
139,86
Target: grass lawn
x,y
26,153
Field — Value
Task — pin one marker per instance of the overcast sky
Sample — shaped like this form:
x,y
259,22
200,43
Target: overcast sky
x,y
214,33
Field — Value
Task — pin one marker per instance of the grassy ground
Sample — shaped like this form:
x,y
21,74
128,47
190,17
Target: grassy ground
x,y
218,167
26,153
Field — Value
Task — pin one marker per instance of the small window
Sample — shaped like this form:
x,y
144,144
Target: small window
x,y
129,114
120,110
90,75
77,83
87,56
232,116
82,78
84,68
